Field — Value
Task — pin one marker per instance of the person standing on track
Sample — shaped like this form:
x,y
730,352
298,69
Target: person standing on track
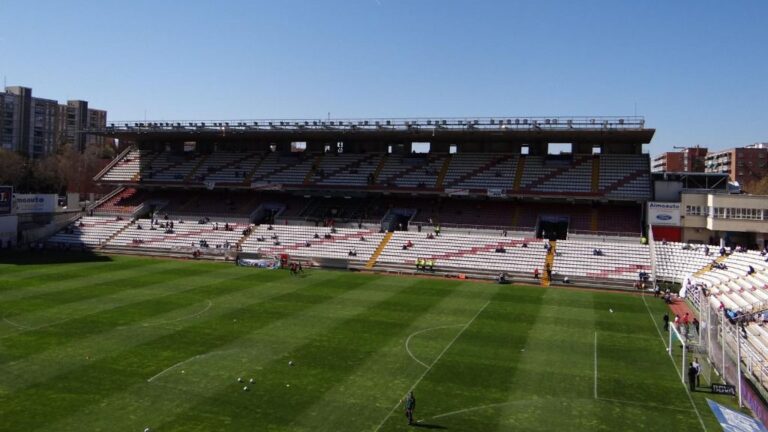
x,y
692,372
410,406
666,322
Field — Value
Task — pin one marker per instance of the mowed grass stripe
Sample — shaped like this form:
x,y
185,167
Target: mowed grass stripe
x,y
14,291
372,386
211,379
166,309
38,309
131,355
29,263
324,360
143,287
479,363
128,329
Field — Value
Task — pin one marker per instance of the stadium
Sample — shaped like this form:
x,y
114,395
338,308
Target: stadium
x,y
310,274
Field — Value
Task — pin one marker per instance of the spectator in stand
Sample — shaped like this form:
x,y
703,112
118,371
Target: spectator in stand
x,y
706,250
750,271
536,273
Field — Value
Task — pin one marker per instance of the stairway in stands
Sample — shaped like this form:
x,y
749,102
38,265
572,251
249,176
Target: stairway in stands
x,y
549,263
485,167
195,168
384,241
721,259
443,172
519,173
313,169
595,174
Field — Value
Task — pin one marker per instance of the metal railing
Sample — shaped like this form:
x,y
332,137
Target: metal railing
x,y
428,123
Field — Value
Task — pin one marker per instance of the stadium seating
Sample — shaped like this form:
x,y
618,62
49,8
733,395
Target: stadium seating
x,y
481,171
293,241
676,261
619,261
563,177
625,176
186,235
345,169
127,168
466,252
411,171
89,231
228,167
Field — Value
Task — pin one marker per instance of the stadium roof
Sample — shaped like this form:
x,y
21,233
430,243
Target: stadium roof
x,y
551,129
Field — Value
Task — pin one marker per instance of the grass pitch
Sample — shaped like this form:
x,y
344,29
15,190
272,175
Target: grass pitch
x,y
123,343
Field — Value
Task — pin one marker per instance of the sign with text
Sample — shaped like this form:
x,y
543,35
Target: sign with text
x,y
662,213
35,203
734,421
725,389
6,199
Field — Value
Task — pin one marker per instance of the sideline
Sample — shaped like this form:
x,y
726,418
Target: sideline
x,y
656,325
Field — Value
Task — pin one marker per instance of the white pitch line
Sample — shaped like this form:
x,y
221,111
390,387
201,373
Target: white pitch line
x,y
650,405
656,325
595,365
524,401
429,368
18,326
210,303
179,364
408,341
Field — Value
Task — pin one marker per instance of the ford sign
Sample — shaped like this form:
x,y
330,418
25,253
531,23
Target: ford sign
x,y
664,217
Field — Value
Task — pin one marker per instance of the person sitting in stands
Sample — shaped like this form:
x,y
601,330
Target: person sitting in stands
x,y
226,226
260,238
307,244
409,244
502,278
317,236
270,228
419,263
333,230
362,238
566,280
405,247
750,271
525,245
81,224
276,243
431,236
500,249
138,226
536,273
327,236
431,265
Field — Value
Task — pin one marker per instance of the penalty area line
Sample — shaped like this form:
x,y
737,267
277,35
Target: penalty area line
x,y
429,368
685,389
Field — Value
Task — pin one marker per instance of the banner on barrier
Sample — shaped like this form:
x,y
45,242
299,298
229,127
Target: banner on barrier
x,y
6,199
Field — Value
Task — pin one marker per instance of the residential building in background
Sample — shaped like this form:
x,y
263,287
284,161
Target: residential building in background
x,y
35,127
691,159
743,164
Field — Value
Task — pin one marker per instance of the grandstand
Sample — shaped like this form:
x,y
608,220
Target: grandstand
x,y
496,191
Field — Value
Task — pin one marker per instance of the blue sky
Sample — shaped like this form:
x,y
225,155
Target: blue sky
x,y
697,70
